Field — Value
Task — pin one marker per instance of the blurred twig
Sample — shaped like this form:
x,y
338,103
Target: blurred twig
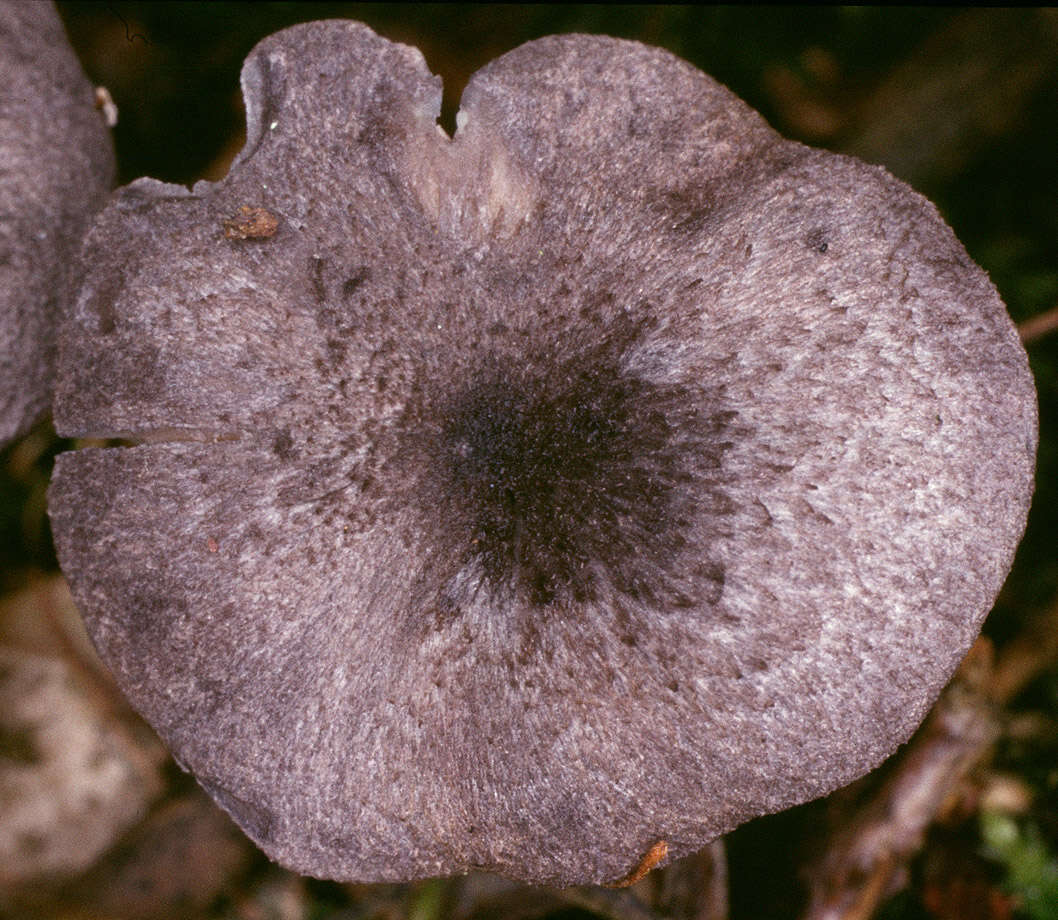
x,y
1038,326
863,858
609,903
695,887
875,843
1024,658
965,84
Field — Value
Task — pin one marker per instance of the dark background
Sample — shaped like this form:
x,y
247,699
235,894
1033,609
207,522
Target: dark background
x,y
962,104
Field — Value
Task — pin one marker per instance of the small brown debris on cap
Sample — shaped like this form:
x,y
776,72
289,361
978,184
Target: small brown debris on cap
x,y
650,860
251,224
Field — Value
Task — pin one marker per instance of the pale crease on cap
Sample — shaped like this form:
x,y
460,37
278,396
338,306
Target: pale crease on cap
x,y
56,168
613,473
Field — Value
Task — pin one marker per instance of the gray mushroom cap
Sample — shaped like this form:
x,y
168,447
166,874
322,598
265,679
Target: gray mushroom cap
x,y
56,169
613,472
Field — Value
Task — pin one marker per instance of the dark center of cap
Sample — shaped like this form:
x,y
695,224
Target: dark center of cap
x,y
566,481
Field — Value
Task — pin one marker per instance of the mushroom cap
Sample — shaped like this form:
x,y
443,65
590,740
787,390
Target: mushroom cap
x,y
613,472
57,169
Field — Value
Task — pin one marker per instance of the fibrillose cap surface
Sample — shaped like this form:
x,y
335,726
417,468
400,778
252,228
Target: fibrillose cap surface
x,y
611,473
